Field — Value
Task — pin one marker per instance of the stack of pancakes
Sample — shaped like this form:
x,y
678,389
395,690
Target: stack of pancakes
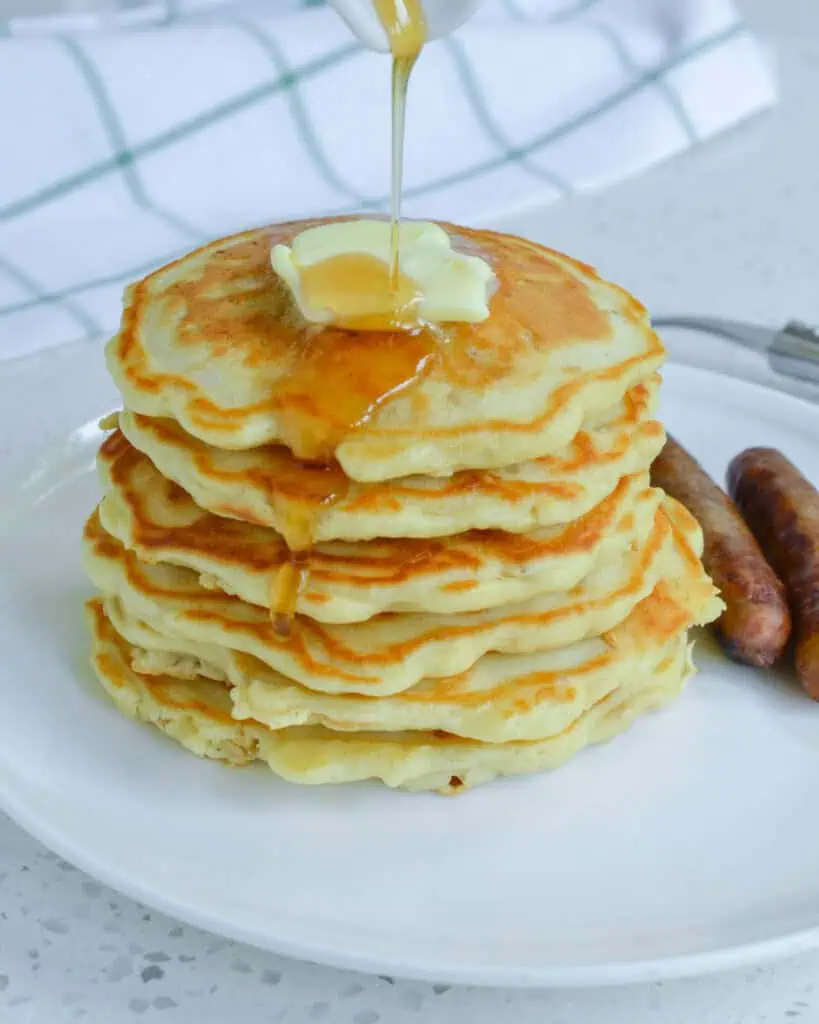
x,y
483,579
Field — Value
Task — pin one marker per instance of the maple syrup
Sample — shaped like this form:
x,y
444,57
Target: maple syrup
x,y
298,529
362,292
345,372
406,29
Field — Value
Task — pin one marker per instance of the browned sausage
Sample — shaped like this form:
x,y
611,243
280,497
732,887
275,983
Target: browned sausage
x,y
756,623
782,509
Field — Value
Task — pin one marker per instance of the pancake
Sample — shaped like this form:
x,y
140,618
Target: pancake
x,y
267,486
213,342
502,697
429,556
350,582
390,653
197,714
387,653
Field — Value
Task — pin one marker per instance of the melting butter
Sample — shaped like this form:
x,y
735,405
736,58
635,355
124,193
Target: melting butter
x,y
340,273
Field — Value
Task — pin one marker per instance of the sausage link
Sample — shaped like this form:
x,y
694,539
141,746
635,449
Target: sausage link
x,y
756,623
782,509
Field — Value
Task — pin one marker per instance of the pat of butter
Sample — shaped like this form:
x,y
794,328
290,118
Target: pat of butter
x,y
437,283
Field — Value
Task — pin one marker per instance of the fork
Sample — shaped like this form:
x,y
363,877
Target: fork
x,y
792,350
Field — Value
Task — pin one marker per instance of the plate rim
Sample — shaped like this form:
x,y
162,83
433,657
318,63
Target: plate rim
x,y
526,976
642,971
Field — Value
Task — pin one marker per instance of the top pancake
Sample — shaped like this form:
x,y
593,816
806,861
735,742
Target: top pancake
x,y
214,342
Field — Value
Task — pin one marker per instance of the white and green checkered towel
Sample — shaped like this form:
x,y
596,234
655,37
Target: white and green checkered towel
x,y
119,150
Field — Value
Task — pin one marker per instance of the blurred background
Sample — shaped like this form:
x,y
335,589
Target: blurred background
x,y
34,8
192,119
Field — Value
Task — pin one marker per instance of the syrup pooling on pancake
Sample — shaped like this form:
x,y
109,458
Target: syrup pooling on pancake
x,y
212,342
339,379
364,292
339,273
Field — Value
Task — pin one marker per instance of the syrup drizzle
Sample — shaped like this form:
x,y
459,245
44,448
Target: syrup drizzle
x,y
344,373
406,28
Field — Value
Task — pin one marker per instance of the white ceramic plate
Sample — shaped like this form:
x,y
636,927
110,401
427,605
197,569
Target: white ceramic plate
x,y
686,845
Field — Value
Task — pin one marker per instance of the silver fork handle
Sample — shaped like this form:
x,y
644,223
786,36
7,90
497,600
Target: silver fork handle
x,y
792,351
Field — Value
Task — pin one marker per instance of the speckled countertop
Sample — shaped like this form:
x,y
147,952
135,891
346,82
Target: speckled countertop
x,y
732,229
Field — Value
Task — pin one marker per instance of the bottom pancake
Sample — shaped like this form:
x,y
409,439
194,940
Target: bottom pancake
x,y
197,713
